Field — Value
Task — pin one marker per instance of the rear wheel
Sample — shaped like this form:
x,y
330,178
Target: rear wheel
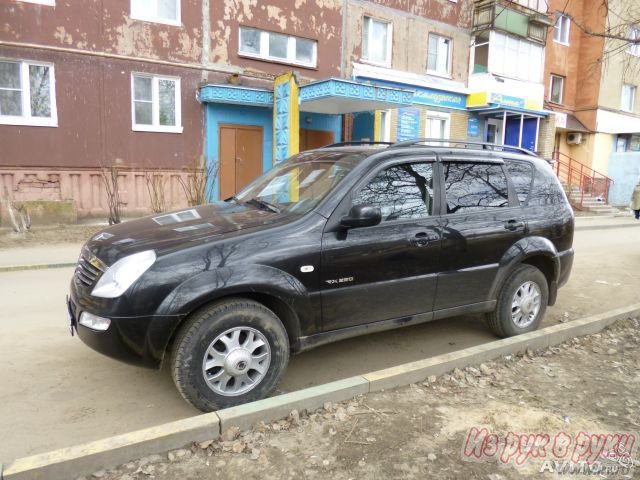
x,y
229,353
521,304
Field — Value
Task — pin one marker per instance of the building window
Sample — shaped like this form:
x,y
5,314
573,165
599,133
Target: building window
x,y
376,41
439,55
481,54
628,98
634,41
278,47
561,30
556,89
515,58
385,126
160,11
27,94
51,3
437,126
155,105
628,143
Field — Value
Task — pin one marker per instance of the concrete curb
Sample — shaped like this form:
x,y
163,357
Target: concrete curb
x,y
40,266
606,227
90,457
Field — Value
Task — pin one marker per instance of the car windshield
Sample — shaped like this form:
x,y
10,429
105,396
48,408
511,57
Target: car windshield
x,y
299,184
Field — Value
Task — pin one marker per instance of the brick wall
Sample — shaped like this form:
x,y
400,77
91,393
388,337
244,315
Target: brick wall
x,y
546,136
459,123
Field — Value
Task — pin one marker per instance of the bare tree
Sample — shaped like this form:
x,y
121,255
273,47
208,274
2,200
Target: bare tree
x,y
617,23
156,185
110,180
18,214
200,175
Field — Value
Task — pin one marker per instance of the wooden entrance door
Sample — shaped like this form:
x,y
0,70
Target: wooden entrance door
x,y
310,139
240,157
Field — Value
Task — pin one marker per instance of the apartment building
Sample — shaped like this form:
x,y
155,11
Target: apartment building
x,y
506,75
591,83
121,83
421,47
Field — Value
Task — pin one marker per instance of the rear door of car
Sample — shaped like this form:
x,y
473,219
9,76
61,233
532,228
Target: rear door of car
x,y
481,219
388,270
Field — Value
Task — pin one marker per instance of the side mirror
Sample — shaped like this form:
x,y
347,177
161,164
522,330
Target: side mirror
x,y
362,216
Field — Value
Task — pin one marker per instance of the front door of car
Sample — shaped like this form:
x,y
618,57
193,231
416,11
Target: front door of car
x,y
480,222
387,270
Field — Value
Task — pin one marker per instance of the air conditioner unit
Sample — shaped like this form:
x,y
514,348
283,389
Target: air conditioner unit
x,y
574,138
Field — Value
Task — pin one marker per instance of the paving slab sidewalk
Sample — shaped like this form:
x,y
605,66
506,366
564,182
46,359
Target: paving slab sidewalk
x,y
41,256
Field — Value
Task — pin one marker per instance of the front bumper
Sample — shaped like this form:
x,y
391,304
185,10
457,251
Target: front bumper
x,y
140,341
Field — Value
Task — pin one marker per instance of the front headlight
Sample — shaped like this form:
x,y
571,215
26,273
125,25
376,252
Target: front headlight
x,y
121,275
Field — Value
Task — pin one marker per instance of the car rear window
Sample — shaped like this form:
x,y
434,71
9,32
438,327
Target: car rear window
x,y
521,174
546,189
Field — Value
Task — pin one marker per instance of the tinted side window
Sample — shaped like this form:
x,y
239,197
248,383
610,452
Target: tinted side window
x,y
471,187
401,191
546,189
521,174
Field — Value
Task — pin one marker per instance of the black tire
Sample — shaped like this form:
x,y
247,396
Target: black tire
x,y
501,320
202,328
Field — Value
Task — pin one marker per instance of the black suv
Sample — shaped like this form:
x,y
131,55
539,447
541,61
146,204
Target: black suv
x,y
333,243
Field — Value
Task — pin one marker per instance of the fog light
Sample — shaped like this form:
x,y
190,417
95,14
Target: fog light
x,y
94,322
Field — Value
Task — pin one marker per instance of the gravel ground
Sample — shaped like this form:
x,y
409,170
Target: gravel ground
x,y
589,384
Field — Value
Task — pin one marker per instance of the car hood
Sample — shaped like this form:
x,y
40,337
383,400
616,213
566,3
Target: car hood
x,y
167,231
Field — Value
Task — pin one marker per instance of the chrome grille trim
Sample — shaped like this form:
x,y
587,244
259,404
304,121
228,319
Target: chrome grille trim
x,y
87,273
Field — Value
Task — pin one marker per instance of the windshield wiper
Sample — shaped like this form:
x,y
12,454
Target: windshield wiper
x,y
263,205
233,199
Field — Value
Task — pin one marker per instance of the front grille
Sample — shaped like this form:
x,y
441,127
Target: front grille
x,y
87,273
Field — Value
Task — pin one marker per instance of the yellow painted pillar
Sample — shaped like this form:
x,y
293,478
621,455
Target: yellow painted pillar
x,y
286,125
377,126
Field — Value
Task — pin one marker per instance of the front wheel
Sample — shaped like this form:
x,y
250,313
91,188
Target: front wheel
x,y
521,304
229,353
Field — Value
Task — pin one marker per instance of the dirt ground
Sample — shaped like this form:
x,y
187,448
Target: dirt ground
x,y
48,235
420,431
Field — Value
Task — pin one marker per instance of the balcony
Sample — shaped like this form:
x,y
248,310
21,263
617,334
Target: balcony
x,y
524,18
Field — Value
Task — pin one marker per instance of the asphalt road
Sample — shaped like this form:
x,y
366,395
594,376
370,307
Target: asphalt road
x,y
56,392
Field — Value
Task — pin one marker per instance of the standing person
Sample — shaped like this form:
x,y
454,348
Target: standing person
x,y
635,200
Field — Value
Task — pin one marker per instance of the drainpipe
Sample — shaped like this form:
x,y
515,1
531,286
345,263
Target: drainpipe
x,y
206,34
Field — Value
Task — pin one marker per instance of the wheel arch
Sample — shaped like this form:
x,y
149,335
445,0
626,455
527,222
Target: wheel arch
x,y
279,307
538,252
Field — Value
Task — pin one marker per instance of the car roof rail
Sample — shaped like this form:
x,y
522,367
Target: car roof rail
x,y
485,145
359,142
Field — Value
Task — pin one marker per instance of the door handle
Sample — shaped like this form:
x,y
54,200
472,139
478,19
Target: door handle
x,y
421,239
514,225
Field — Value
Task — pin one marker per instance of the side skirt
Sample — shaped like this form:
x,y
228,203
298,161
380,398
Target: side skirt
x,y
318,339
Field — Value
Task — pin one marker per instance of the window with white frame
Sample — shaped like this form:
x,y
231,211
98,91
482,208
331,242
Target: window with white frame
x,y
161,11
515,58
437,125
155,105
50,3
27,93
628,97
277,46
634,41
561,29
376,41
439,55
385,126
556,89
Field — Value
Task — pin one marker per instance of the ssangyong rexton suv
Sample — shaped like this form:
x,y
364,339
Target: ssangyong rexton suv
x,y
330,244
